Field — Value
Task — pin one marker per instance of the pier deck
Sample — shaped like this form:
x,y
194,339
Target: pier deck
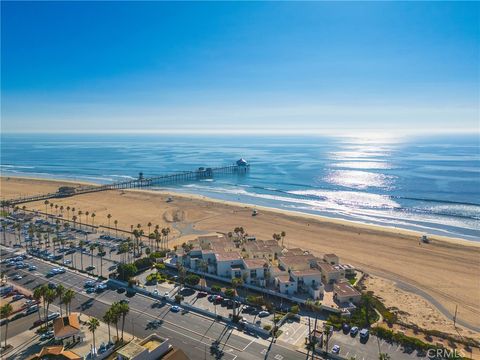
x,y
141,182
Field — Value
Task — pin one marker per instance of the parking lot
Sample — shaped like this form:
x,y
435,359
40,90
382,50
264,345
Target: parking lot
x,y
352,347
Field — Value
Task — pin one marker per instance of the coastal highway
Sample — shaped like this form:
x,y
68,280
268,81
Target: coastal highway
x,y
191,332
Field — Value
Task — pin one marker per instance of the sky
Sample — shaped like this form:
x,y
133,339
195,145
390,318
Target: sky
x,y
240,67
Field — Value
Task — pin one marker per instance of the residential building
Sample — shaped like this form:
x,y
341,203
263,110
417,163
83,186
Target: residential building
x,y
343,292
55,352
67,327
330,274
152,347
332,259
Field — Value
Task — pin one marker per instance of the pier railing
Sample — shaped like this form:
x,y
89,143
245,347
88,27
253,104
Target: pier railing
x,y
185,176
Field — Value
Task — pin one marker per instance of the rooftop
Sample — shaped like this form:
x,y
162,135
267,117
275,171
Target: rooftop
x,y
326,267
66,326
227,256
306,272
297,262
254,263
345,289
55,352
130,350
284,278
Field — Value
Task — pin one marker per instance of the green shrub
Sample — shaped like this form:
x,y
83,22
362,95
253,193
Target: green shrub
x,y
126,271
277,318
267,327
294,309
158,254
216,288
192,279
229,292
144,263
255,300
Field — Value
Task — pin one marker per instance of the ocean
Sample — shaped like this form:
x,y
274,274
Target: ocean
x,y
428,184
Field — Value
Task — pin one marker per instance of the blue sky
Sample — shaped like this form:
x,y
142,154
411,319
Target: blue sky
x,y
289,67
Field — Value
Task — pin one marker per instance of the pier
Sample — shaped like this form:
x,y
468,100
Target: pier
x,y
240,167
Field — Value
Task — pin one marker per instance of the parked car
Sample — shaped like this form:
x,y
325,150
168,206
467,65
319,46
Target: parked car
x,y
38,322
89,283
263,314
91,290
121,290
53,316
47,335
124,301
354,331
346,328
18,297
247,308
364,334
31,310
176,308
32,268
336,349
17,277
52,286
201,294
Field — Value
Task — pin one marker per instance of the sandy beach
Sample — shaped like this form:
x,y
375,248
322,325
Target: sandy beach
x,y
404,270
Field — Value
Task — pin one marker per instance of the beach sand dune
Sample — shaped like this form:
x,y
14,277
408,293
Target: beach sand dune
x,y
444,272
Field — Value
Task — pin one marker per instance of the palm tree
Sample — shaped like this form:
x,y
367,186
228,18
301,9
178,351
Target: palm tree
x,y
108,319
86,218
38,295
81,243
80,213
149,226
93,220
93,324
283,234
109,216
67,299
59,292
123,310
203,266
5,311
46,202
61,210
92,247
74,218
116,228
236,282
56,209
115,316
68,212
101,253
49,297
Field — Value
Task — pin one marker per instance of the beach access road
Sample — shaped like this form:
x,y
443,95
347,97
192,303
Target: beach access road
x,y
193,333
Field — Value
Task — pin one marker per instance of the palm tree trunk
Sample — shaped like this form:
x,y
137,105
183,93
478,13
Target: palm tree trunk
x,y
93,336
6,333
123,324
109,338
116,327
